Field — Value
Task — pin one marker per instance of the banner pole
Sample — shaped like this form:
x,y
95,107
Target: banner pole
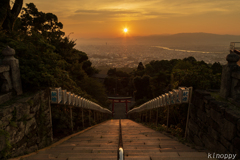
x,y
189,102
71,118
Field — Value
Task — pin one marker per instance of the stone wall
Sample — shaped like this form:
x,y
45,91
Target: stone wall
x,y
213,124
25,126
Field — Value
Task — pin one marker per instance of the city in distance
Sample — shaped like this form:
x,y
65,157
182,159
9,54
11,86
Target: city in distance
x,y
129,51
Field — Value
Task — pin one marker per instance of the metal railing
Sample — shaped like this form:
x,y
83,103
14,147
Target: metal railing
x,y
62,97
235,46
59,96
177,96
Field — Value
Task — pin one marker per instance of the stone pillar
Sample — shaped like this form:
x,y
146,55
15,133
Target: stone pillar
x,y
226,80
10,60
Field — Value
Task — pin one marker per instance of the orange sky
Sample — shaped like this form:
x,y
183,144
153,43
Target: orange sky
x,y
107,18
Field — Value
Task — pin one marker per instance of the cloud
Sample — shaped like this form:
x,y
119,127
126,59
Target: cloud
x,y
136,9
198,6
116,15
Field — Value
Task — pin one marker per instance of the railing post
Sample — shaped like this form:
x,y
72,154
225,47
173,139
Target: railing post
x,y
82,119
189,103
167,115
50,115
146,116
71,118
140,116
97,117
157,117
89,117
150,115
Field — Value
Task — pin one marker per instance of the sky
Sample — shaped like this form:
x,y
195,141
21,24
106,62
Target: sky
x,y
108,18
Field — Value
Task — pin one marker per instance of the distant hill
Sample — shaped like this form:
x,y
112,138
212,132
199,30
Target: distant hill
x,y
180,38
200,38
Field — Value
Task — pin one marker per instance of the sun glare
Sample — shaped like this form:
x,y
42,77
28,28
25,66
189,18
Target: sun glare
x,y
125,30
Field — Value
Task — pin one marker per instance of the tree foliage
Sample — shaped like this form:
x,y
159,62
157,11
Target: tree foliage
x,y
48,58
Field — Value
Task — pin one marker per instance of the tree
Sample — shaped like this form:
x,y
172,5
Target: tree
x,y
44,23
140,66
190,59
8,16
216,68
112,72
142,87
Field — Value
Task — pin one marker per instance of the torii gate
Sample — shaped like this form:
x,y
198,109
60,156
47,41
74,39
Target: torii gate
x,y
125,100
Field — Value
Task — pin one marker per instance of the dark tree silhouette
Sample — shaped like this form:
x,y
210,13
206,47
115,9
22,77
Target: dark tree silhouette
x,y
140,67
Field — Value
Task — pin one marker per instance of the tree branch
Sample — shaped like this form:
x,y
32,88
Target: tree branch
x,y
16,8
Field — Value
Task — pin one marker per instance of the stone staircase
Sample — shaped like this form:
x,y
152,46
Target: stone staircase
x,y
101,143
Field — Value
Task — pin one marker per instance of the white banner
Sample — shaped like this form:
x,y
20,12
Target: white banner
x,y
69,99
171,96
157,102
164,100
56,95
185,94
76,100
64,97
73,99
160,101
177,97
80,102
167,99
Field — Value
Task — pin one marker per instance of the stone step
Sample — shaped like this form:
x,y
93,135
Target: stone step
x,y
165,158
105,157
86,155
98,158
133,146
166,154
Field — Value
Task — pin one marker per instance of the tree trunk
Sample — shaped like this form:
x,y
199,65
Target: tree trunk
x,y
9,16
4,7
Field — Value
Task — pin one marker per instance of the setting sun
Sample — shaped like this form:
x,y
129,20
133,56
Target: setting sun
x,y
125,30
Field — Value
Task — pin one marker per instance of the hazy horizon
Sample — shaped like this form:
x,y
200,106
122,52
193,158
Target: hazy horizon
x,y
187,38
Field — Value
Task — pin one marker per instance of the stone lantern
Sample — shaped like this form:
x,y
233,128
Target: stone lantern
x,y
13,63
230,81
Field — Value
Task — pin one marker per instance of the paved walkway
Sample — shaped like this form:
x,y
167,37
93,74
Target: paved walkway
x,y
142,143
101,143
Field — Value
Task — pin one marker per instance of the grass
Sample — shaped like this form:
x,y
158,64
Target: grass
x,y
172,130
217,97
